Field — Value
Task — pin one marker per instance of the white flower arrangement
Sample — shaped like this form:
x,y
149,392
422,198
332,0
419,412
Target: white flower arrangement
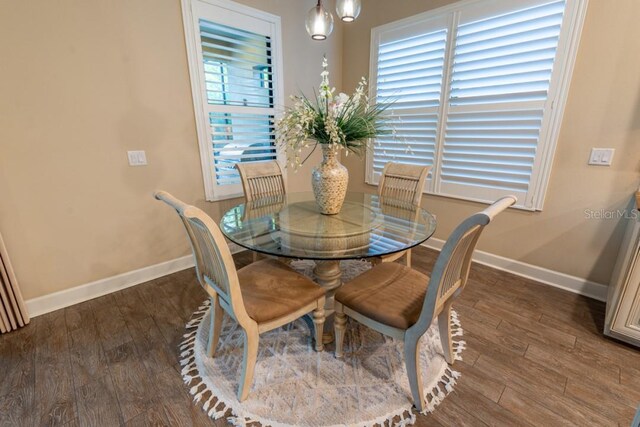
x,y
341,121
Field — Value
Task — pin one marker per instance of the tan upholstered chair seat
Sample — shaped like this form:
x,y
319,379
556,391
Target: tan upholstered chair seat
x,y
271,289
389,293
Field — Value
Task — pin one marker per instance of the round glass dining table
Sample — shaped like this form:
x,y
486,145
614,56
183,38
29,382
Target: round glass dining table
x,y
291,226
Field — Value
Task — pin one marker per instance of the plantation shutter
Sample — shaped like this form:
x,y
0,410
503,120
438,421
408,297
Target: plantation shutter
x,y
502,68
409,70
236,56
479,89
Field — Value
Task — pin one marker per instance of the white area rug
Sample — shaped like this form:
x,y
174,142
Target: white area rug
x,y
295,386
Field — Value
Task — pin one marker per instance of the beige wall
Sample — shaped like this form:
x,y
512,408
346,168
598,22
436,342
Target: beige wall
x,y
603,110
82,82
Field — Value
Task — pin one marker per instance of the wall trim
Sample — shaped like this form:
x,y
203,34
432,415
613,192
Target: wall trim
x,y
68,297
574,284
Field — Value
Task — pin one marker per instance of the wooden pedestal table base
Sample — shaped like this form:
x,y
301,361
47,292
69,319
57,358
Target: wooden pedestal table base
x,y
328,275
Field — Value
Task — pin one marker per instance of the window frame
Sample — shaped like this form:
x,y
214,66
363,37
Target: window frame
x,y
213,191
560,81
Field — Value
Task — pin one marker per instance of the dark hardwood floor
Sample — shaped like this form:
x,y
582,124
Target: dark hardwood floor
x,y
535,356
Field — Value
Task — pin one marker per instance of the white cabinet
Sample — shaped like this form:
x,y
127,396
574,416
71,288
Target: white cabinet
x,y
623,304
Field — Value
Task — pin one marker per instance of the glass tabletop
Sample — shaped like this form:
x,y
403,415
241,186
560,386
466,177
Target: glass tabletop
x,y
292,226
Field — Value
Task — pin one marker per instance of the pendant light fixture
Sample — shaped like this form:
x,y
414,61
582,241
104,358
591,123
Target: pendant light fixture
x,y
319,22
348,10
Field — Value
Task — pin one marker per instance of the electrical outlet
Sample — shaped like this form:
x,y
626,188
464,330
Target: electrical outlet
x,y
137,158
601,156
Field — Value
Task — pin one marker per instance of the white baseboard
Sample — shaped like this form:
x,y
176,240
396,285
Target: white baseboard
x,y
55,301
78,294
556,279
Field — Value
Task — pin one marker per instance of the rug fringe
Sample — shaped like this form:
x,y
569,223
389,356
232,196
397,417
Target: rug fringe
x,y
187,343
456,331
214,412
449,377
206,404
407,417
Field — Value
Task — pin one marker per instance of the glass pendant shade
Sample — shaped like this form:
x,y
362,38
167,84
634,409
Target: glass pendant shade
x,y
348,10
319,23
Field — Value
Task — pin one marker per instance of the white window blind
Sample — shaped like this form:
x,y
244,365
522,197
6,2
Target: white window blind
x,y
490,133
234,63
409,71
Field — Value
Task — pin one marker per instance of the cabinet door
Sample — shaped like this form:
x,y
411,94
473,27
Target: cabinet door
x,y
627,318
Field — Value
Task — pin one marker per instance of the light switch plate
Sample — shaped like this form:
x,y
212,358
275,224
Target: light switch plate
x,y
601,156
137,158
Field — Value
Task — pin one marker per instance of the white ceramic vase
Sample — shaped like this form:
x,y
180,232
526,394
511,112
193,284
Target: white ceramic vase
x,y
329,181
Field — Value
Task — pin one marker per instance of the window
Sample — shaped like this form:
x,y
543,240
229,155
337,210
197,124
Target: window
x,y
235,65
480,87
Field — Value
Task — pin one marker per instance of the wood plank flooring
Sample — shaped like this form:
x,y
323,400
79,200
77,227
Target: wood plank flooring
x,y
535,356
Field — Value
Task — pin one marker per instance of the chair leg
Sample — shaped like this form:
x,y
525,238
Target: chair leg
x,y
407,258
251,339
339,326
255,256
444,327
215,326
412,361
318,323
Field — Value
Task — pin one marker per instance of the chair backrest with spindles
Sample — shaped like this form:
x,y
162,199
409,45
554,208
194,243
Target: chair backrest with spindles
x,y
402,181
215,267
451,270
265,206
261,179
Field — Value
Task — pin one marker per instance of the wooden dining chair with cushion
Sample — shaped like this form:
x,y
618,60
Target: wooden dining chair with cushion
x,y
260,297
403,182
400,302
261,179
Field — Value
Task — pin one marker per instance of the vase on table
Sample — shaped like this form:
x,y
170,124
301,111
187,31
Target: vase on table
x,y
329,181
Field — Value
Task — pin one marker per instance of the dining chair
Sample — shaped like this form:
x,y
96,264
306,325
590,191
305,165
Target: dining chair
x,y
260,180
405,183
261,296
400,302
